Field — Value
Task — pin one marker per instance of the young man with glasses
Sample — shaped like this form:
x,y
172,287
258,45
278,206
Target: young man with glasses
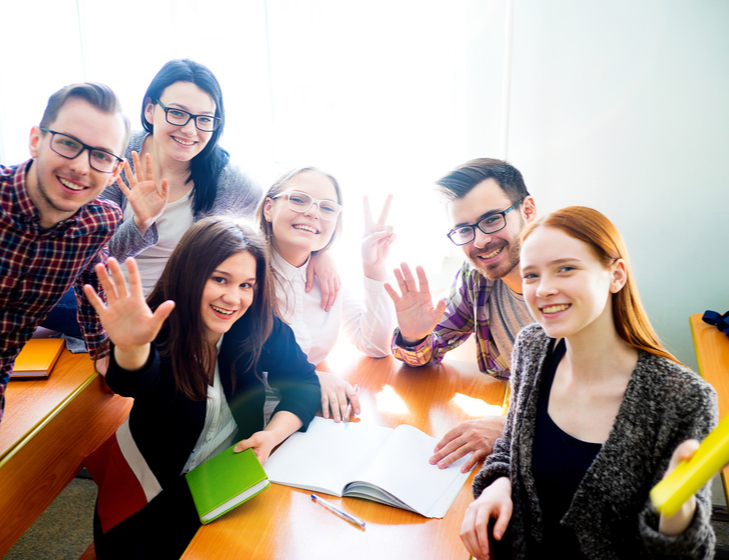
x,y
489,205
52,226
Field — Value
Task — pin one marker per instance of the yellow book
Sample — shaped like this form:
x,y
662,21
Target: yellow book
x,y
689,476
38,357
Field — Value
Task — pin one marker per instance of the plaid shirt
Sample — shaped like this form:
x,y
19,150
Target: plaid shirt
x,y
38,266
467,311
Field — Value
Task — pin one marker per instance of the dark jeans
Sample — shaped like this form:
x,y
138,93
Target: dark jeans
x,y
62,317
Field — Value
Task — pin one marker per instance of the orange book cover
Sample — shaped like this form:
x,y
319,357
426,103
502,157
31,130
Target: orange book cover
x,y
38,357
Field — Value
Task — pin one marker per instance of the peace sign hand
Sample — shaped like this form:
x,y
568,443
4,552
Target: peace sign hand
x,y
147,201
129,322
378,237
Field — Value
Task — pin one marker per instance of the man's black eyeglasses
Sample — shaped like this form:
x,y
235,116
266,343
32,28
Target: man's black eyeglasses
x,y
69,147
490,224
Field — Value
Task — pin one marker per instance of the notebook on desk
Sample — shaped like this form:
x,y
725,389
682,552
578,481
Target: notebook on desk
x,y
360,460
38,357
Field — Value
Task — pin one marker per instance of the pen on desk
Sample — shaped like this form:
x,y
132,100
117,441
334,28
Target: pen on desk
x,y
341,513
349,406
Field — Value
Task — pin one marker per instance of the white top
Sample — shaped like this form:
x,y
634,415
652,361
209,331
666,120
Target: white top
x,y
220,427
175,220
369,324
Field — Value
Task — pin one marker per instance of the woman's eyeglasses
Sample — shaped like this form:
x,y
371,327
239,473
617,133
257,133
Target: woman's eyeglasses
x,y
301,202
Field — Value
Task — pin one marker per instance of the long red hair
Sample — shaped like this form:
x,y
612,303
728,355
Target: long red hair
x,y
594,229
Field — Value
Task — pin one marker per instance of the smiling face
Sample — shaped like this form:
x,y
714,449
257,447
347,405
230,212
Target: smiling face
x,y
181,143
297,234
568,290
59,186
495,255
227,295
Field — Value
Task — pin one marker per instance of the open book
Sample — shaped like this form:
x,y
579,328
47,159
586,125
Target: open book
x,y
361,460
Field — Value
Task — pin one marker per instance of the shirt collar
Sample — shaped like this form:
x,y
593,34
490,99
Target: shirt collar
x,y
286,269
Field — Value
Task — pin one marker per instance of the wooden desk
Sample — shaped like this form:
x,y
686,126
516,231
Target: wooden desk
x,y
284,523
712,354
49,426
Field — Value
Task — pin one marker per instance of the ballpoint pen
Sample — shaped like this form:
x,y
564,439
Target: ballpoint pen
x,y
341,513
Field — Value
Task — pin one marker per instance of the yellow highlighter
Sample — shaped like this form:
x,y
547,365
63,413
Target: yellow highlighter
x,y
670,493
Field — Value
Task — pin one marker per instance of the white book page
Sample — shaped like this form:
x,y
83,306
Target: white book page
x,y
401,468
324,458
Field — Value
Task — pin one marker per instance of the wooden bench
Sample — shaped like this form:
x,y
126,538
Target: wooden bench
x,y
49,426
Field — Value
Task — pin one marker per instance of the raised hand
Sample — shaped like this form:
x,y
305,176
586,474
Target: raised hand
x,y
378,237
147,201
129,322
416,315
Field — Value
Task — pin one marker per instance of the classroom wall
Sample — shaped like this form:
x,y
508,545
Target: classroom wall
x,y
619,105
624,106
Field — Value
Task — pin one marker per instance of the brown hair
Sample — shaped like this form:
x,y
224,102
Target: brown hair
x,y
594,229
459,182
98,95
204,246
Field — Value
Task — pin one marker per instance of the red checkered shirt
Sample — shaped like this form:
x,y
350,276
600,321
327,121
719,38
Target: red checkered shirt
x,y
38,266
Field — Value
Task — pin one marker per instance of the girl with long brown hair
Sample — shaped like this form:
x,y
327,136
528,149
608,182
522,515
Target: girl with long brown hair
x,y
192,357
599,413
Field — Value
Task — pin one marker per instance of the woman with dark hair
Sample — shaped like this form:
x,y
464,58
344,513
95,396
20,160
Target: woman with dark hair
x,y
183,116
192,357
300,216
599,413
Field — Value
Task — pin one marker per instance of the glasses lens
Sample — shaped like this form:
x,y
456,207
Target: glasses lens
x,y
177,117
66,146
461,235
206,124
299,202
328,210
490,224
102,161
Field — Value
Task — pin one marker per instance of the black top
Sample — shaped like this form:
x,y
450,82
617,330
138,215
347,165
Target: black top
x,y
560,463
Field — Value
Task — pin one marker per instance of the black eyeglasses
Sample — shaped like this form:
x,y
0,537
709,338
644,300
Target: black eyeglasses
x,y
490,224
178,117
69,147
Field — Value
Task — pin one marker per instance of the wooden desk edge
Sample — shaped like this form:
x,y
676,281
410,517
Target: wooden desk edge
x,y
696,323
11,451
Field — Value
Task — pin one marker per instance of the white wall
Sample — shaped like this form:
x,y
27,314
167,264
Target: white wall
x,y
624,106
619,105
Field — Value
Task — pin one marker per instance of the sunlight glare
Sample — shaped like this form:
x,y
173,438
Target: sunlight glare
x,y
476,407
389,401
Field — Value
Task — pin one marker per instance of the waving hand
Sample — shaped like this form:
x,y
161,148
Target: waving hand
x,y
147,201
129,322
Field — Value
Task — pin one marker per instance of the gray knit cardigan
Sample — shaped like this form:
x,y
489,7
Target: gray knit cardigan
x,y
236,194
611,515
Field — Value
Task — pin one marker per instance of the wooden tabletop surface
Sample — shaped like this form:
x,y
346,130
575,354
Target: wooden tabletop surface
x,y
283,522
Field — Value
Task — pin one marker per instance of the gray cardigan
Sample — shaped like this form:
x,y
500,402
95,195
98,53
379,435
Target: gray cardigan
x,y
236,194
611,514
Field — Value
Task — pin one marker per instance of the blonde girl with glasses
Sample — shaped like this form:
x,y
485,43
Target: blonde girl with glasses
x,y
301,216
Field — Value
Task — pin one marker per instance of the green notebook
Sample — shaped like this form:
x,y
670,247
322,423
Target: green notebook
x,y
224,482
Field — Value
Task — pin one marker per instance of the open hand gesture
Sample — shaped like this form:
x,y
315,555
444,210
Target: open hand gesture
x,y
147,201
378,237
129,322
416,315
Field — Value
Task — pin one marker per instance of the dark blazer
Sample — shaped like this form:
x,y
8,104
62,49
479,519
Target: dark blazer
x,y
165,424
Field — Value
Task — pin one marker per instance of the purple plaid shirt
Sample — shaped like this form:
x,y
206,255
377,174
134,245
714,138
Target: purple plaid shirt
x,y
38,266
467,312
